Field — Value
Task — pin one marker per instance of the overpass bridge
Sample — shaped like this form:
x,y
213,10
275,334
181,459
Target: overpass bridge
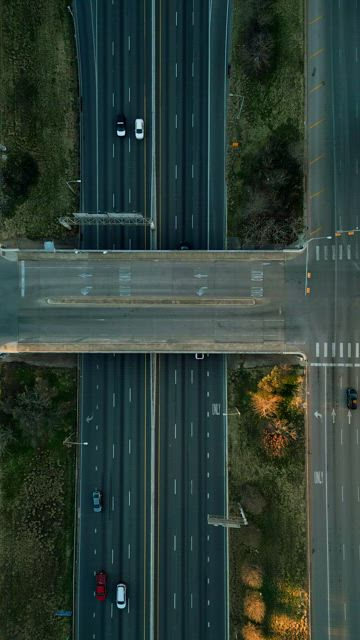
x,y
152,301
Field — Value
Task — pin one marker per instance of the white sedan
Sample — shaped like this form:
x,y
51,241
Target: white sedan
x,y
139,129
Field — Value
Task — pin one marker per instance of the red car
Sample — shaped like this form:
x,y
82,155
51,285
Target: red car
x,y
100,589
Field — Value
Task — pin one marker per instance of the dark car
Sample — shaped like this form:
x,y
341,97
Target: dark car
x,y
351,398
100,588
184,245
121,126
97,500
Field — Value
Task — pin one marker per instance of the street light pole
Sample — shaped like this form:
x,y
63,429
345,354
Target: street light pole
x,y
67,442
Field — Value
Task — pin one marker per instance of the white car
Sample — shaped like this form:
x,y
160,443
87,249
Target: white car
x,y
121,595
139,129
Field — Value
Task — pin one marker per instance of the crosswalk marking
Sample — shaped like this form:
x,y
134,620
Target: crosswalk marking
x,y
346,350
357,350
325,349
317,350
333,349
335,249
341,349
349,349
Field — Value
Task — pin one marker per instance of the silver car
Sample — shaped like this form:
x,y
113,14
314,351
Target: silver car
x,y
97,500
121,595
139,129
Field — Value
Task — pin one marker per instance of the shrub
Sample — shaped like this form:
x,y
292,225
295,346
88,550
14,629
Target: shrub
x,y
254,607
252,575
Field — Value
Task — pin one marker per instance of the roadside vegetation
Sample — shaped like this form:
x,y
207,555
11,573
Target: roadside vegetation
x,y
39,117
37,478
267,558
266,123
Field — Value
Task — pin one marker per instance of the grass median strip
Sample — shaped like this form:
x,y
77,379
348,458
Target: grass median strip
x,y
267,557
39,117
37,410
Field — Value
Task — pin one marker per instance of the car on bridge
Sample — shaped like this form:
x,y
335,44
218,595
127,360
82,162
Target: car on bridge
x,y
97,500
121,126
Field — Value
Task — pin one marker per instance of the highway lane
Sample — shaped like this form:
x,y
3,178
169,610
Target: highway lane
x,y
114,170
191,123
191,561
112,41
114,421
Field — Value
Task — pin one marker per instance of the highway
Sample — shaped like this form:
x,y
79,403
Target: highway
x,y
118,39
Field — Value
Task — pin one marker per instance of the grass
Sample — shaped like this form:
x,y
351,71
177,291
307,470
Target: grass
x,y
275,101
274,542
39,109
37,504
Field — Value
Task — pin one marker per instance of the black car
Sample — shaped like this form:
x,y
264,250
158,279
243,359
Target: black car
x,y
121,126
351,398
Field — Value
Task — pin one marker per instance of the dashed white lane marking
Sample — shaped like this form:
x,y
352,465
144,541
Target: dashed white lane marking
x,y
340,252
175,486
175,431
326,248
317,252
